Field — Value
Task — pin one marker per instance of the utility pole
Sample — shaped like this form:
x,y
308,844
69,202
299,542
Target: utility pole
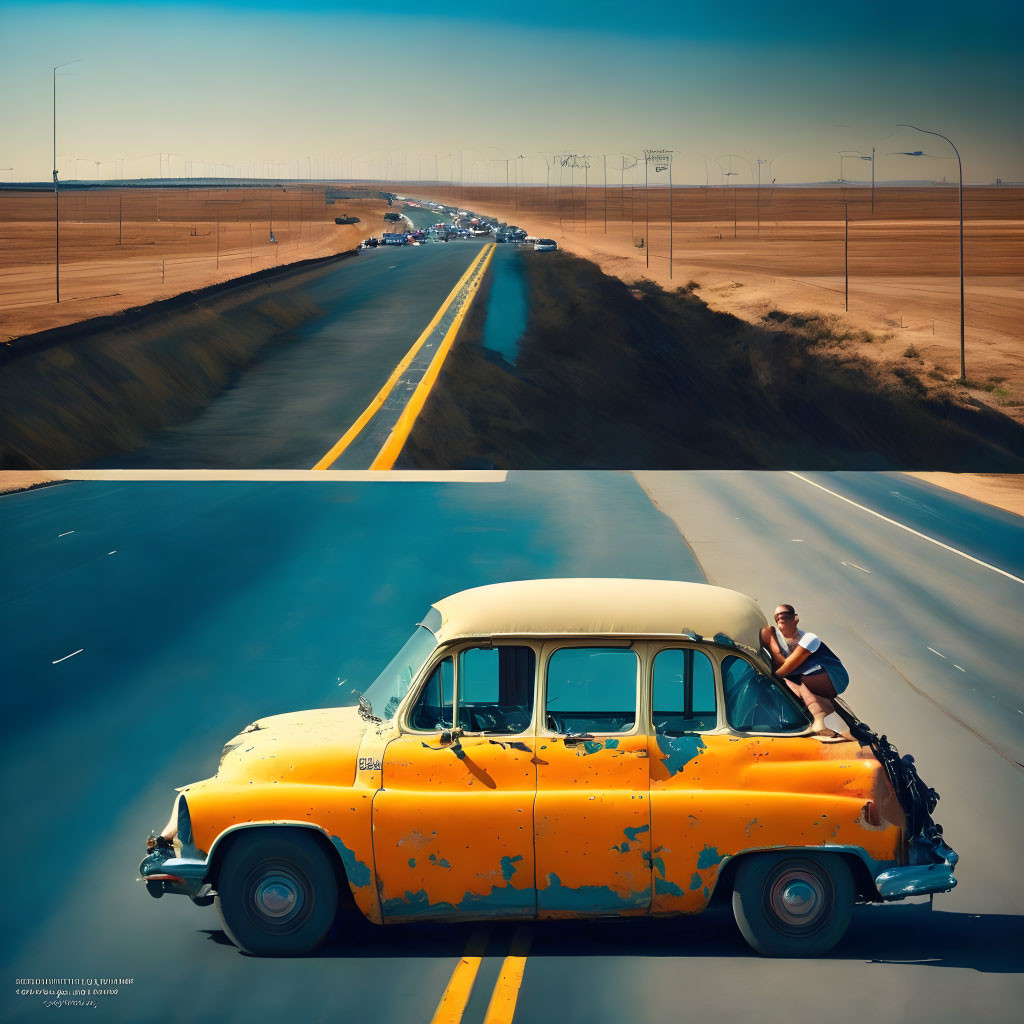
x,y
662,162
56,183
846,252
647,212
872,179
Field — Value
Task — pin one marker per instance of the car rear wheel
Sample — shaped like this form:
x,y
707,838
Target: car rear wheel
x,y
793,904
277,894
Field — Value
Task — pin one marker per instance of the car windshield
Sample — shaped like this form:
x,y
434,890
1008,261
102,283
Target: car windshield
x,y
385,693
754,703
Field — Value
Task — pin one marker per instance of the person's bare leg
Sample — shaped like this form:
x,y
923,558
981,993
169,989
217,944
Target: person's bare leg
x,y
795,687
816,692
170,831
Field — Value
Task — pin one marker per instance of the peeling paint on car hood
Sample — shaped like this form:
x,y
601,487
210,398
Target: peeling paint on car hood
x,y
317,747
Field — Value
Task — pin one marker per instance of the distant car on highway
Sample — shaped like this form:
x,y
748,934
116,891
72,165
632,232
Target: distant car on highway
x,y
558,749
544,245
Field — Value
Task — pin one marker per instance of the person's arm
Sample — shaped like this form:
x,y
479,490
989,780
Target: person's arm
x,y
769,642
796,658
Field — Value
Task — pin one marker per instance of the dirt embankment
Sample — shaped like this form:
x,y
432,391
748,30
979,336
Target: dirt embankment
x,y
611,376
79,392
799,249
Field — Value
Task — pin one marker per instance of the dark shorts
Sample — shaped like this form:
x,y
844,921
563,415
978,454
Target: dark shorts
x,y
837,674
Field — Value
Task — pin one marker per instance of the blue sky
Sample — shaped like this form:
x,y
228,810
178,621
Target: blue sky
x,y
345,88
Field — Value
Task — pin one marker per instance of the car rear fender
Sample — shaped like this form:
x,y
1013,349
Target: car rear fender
x,y
863,869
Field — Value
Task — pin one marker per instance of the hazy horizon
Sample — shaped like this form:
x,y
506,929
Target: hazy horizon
x,y
443,90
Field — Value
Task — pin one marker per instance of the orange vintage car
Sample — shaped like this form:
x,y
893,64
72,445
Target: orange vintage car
x,y
558,748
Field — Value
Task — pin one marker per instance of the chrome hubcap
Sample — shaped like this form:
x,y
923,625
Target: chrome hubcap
x,y
277,896
798,899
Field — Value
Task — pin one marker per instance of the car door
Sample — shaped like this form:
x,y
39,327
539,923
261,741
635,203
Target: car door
x,y
592,815
453,821
713,796
684,783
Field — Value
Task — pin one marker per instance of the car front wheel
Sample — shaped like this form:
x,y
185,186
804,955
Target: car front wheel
x,y
277,894
793,904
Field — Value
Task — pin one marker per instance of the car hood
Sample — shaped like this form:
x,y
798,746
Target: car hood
x,y
318,747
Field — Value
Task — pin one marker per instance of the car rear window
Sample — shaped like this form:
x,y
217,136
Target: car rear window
x,y
684,692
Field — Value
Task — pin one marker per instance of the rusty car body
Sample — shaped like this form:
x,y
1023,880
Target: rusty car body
x,y
558,748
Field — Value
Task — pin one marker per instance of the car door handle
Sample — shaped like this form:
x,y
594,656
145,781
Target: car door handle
x,y
577,737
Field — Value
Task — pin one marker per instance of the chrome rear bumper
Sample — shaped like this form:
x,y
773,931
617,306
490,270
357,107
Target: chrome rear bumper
x,y
930,870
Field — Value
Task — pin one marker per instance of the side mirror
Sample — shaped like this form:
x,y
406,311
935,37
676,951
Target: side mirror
x,y
450,736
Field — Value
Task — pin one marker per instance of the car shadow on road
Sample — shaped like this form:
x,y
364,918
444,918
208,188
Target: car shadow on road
x,y
914,934
905,935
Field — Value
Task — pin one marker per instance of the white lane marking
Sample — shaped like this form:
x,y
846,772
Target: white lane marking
x,y
68,534
798,540
853,565
939,653
66,656
955,665
916,533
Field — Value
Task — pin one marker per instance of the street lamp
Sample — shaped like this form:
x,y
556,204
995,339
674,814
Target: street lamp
x,y
768,161
960,175
56,185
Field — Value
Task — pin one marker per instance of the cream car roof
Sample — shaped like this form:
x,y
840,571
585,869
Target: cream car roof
x,y
590,607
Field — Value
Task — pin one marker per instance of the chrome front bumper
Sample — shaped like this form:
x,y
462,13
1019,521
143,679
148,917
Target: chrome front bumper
x,y
165,873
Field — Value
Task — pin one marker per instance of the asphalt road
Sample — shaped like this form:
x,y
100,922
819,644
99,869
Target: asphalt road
x,y
306,390
197,607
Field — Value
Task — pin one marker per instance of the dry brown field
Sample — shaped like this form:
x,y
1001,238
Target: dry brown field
x,y
791,249
121,248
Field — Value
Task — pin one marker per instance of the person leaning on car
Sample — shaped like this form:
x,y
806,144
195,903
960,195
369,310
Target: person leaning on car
x,y
808,666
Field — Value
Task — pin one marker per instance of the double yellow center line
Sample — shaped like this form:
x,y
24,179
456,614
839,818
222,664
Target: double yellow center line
x,y
502,1006
386,457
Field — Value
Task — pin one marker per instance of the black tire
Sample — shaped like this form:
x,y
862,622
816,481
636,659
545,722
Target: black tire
x,y
277,894
793,904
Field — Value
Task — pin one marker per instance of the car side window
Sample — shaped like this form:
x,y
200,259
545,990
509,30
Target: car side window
x,y
433,710
496,687
684,692
591,690
754,703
